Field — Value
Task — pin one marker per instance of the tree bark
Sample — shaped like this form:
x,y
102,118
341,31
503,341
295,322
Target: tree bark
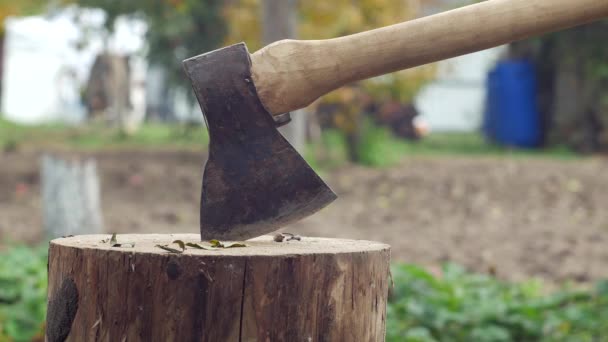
x,y
70,197
310,290
279,21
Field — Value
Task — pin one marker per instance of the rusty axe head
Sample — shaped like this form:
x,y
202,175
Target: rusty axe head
x,y
254,181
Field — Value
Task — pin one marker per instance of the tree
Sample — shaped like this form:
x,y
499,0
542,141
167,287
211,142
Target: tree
x,y
328,19
22,7
177,29
572,72
279,21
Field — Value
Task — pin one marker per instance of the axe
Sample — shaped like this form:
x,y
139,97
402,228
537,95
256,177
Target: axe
x,y
254,181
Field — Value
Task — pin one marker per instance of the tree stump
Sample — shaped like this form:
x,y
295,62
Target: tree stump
x,y
70,197
315,289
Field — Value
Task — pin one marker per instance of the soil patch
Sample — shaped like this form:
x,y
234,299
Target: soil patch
x,y
515,217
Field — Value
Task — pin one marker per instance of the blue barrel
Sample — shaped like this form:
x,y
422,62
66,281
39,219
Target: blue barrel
x,y
511,113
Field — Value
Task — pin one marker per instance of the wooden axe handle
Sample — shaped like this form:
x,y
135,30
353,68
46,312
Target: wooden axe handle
x,y
291,74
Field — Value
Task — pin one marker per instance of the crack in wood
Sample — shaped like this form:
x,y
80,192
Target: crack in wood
x,y
243,301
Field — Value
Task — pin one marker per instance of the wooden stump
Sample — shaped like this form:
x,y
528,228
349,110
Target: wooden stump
x,y
315,289
70,197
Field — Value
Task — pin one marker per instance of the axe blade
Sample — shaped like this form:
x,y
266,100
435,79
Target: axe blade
x,y
254,181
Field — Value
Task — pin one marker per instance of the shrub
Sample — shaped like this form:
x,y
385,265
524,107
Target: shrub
x,y
378,146
23,283
329,152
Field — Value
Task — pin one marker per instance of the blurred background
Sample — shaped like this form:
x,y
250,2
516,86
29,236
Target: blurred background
x,y
486,173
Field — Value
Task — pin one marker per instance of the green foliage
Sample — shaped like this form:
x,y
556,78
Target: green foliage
x,y
572,68
378,147
22,7
329,152
23,284
460,306
329,19
474,144
319,19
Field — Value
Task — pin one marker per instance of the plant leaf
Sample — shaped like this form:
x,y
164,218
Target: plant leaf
x,y
236,245
113,240
216,244
197,246
181,244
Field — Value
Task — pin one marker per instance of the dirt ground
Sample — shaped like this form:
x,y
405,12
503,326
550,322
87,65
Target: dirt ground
x,y
515,217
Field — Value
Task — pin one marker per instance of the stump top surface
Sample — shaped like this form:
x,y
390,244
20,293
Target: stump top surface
x,y
261,246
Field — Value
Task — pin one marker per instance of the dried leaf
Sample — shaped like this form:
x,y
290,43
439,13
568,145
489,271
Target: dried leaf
x,y
216,244
169,249
236,245
197,246
181,244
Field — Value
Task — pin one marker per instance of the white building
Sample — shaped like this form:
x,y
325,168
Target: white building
x,y
47,60
455,100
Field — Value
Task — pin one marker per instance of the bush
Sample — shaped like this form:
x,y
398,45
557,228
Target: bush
x,y
329,152
23,283
378,146
460,306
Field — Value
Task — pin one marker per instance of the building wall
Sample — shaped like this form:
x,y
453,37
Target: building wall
x,y
455,101
46,66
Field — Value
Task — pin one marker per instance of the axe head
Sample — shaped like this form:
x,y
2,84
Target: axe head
x,y
254,181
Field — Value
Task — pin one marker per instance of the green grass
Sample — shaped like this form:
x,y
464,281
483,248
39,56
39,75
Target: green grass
x,y
13,136
379,148
476,144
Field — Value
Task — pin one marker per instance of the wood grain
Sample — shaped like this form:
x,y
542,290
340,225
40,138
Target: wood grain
x,y
291,74
310,290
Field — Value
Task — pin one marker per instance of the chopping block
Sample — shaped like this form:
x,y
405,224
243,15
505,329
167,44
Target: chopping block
x,y
313,289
